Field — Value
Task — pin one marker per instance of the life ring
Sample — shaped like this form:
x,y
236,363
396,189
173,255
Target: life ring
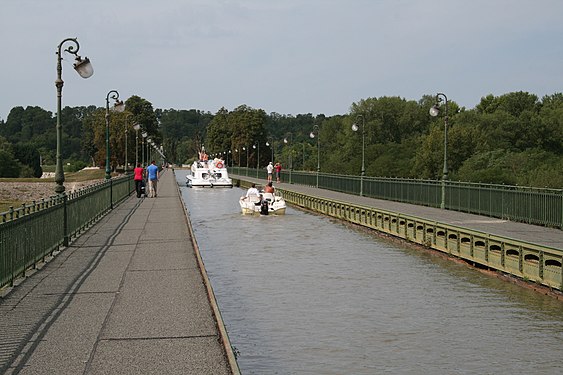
x,y
219,165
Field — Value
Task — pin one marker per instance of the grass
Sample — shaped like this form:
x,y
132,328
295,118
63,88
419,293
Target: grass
x,y
80,176
5,205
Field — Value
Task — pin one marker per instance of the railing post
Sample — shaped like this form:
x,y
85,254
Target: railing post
x,y
65,220
111,194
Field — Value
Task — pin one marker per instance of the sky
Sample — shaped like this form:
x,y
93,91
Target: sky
x,y
285,56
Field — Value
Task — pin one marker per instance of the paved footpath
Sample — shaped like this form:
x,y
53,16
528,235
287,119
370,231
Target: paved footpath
x,y
127,297
535,234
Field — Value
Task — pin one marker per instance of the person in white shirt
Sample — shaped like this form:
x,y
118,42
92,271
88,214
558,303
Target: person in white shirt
x,y
270,169
252,191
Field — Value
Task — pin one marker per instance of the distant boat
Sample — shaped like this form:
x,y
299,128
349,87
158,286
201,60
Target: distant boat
x,y
211,173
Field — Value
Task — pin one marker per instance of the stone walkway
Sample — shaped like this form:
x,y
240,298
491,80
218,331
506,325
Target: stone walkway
x,y
127,297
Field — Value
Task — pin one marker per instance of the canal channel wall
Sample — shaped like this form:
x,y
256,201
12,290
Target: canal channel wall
x,y
527,261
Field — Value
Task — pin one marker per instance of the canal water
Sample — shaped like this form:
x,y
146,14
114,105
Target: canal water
x,y
306,294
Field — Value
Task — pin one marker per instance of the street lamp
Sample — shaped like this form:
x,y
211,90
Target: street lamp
x,y
355,127
246,148
271,145
257,157
435,111
312,135
84,68
136,127
144,135
127,117
290,141
118,106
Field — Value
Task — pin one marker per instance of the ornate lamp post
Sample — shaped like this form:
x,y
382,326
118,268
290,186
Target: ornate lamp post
x,y
290,142
312,135
127,117
84,68
136,127
118,106
435,111
144,135
303,165
246,148
257,145
355,127
271,145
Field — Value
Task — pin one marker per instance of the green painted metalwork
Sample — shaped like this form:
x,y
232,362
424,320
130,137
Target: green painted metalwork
x,y
30,233
517,203
540,264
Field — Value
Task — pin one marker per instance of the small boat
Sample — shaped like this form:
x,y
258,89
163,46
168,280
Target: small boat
x,y
212,173
267,203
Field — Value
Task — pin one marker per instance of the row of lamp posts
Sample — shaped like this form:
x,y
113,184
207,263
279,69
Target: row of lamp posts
x,y
434,111
85,70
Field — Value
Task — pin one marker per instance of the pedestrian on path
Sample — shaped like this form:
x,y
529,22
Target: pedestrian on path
x,y
139,176
278,168
270,169
154,175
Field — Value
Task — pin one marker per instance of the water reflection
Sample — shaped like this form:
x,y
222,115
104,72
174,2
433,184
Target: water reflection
x,y
305,294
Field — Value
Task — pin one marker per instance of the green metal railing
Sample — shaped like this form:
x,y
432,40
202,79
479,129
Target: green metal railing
x,y
523,204
30,233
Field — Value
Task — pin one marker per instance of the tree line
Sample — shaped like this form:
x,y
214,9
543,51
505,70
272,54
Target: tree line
x,y
515,138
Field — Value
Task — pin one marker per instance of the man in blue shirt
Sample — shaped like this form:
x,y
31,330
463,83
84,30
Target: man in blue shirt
x,y
152,172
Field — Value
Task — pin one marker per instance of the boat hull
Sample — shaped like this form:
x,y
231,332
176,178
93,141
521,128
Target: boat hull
x,y
202,176
275,206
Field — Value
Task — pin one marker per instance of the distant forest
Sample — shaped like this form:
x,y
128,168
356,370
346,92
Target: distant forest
x,y
515,138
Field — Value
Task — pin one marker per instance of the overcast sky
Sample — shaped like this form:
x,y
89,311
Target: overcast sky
x,y
285,56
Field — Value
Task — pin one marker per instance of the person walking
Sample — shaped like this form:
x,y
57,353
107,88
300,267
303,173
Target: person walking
x,y
154,175
139,175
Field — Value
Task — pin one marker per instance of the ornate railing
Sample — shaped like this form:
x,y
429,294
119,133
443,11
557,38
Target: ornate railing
x,y
517,203
32,232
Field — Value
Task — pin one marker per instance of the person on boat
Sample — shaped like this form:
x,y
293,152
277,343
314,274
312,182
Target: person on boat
x,y
252,192
269,188
270,169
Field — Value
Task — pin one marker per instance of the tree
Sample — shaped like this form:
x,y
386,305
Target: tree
x,y
9,166
28,155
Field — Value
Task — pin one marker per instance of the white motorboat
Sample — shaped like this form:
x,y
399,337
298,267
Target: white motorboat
x,y
212,173
267,203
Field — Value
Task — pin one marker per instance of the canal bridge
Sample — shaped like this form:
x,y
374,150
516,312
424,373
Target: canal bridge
x,y
97,298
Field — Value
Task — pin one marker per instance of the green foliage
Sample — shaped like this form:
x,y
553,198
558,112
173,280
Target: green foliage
x,y
9,166
533,167
514,138
183,132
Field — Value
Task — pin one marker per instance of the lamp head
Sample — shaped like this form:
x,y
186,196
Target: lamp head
x,y
83,67
136,127
311,135
434,110
285,140
355,127
119,106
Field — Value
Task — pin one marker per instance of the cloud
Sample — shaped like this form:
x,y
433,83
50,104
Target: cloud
x,y
292,56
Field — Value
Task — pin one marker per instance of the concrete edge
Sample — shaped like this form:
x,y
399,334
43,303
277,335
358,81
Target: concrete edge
x,y
231,357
